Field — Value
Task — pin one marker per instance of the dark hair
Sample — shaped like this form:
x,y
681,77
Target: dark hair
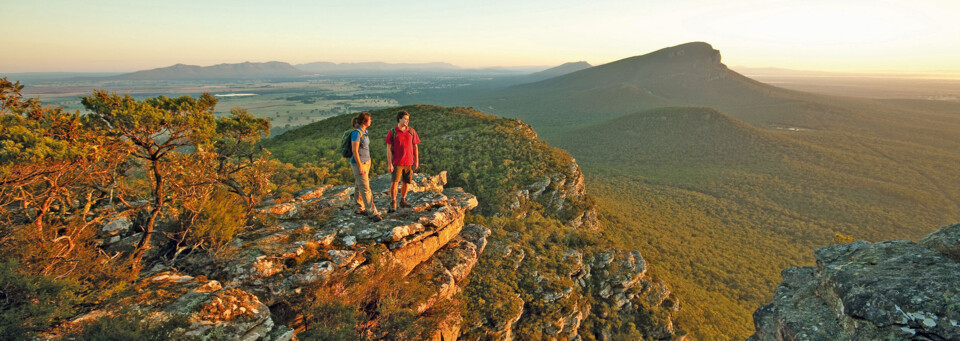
x,y
401,114
361,117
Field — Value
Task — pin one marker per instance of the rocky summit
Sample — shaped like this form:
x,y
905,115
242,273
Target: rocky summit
x,y
255,288
894,290
316,237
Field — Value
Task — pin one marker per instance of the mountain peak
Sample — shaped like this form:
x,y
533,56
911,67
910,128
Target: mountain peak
x,y
696,52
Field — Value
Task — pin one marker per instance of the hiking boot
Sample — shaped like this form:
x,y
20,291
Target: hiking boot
x,y
376,218
393,207
404,203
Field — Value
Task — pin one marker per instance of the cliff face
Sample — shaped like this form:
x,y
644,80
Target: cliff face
x,y
894,290
568,291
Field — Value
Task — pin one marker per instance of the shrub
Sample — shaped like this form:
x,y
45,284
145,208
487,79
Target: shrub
x,y
129,324
219,220
30,304
373,303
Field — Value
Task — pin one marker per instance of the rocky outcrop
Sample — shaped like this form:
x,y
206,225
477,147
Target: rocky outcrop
x,y
894,290
612,283
315,237
560,192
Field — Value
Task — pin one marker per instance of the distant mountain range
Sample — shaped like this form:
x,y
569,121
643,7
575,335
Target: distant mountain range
x,y
281,70
408,69
376,67
245,70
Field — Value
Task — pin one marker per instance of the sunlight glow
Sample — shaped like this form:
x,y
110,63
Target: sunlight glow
x,y
111,35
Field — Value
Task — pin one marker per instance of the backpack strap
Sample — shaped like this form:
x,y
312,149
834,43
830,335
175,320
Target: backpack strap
x,y
360,134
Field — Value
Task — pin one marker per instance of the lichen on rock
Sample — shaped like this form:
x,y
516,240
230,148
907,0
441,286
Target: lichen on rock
x,y
889,290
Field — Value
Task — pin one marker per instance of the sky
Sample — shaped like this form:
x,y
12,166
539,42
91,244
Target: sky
x,y
826,35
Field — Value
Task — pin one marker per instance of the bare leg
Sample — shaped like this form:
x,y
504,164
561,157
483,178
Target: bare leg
x,y
393,194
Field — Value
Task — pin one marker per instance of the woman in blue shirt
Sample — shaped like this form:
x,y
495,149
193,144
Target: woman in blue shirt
x,y
360,164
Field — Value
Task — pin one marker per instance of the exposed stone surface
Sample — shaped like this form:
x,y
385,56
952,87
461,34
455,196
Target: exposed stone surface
x,y
316,238
231,314
612,278
556,193
895,290
946,241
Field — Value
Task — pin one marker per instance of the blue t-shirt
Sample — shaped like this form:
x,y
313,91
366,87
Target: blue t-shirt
x,y
364,149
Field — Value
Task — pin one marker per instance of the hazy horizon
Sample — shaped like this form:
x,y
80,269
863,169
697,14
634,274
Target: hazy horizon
x,y
118,36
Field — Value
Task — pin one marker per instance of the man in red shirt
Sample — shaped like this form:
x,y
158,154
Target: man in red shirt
x,y
403,157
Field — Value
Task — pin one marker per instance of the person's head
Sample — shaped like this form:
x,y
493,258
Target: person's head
x,y
362,120
401,115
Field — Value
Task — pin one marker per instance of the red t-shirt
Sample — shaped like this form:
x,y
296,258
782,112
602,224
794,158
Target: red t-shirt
x,y
402,145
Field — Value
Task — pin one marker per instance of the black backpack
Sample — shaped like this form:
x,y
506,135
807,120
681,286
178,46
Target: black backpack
x,y
345,149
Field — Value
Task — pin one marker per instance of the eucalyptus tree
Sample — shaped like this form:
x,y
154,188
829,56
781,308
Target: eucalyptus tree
x,y
160,131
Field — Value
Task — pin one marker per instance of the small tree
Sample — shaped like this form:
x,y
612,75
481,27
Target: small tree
x,y
158,131
241,160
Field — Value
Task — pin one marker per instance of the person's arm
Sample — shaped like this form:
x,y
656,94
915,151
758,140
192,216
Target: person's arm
x,y
389,153
416,149
355,145
416,157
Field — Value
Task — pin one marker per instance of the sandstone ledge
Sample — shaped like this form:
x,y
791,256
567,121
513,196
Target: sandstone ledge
x,y
316,237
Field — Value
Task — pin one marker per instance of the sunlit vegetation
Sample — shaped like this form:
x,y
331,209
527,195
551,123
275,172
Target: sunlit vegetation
x,y
62,175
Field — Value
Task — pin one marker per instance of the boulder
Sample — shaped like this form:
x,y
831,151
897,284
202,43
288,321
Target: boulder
x,y
860,291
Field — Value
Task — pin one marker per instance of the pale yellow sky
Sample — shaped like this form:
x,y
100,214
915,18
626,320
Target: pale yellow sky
x,y
838,35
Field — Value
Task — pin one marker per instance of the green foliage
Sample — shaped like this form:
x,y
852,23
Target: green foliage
x,y
30,304
188,154
155,130
220,218
130,324
241,160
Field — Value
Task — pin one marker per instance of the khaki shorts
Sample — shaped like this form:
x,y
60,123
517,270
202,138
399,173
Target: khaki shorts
x,y
404,173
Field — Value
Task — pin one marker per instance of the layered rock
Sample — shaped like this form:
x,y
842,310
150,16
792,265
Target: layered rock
x,y
316,237
560,192
612,283
894,290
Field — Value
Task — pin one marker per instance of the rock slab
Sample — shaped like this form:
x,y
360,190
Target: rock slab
x,y
894,290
